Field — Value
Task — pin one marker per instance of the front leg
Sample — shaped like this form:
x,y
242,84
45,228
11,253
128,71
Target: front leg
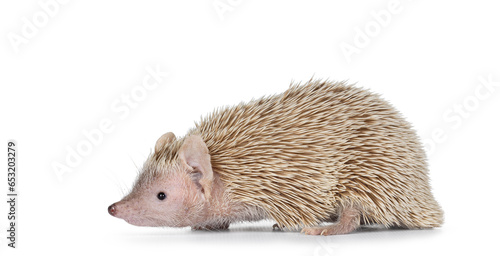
x,y
212,227
277,227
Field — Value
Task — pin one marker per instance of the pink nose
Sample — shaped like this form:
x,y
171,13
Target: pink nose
x,y
112,210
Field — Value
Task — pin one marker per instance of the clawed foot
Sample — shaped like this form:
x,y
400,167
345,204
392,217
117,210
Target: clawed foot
x,y
277,227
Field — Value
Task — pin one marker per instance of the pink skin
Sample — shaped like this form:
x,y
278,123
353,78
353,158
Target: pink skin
x,y
143,208
184,205
187,186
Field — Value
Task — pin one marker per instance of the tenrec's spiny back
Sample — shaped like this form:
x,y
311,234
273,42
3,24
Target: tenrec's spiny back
x,y
301,154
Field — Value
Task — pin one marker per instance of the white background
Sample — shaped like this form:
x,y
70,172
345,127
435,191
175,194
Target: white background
x,y
427,59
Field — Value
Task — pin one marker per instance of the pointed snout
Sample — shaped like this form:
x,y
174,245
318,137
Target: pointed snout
x,y
112,210
124,210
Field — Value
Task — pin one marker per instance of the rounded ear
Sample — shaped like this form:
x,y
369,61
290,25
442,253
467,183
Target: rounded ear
x,y
164,140
194,153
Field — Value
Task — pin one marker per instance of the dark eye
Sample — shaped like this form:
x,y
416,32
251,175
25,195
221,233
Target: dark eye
x,y
161,196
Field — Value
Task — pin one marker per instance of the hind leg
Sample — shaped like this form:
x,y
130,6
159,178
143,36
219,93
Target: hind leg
x,y
347,222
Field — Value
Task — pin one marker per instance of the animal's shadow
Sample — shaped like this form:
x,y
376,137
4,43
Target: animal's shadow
x,y
257,234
